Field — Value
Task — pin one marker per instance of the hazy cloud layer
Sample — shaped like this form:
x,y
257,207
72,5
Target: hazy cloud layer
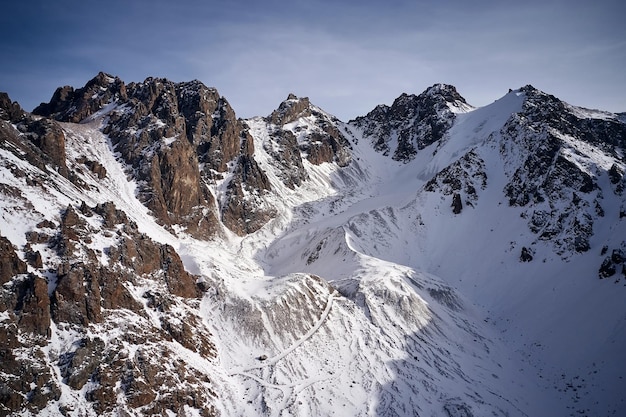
x,y
346,56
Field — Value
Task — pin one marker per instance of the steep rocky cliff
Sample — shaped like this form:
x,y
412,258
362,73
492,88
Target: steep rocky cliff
x,y
176,138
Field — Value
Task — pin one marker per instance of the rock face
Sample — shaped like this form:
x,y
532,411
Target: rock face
x,y
300,131
10,264
46,136
462,180
25,306
412,122
175,139
559,196
551,175
283,147
85,295
70,105
319,140
10,110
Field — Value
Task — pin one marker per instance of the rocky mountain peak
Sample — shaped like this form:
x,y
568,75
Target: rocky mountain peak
x,y
531,90
308,133
291,109
45,141
70,105
104,80
412,122
174,138
449,94
10,110
447,91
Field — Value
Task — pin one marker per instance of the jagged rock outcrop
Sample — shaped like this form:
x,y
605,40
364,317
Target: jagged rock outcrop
x,y
46,136
175,138
301,131
70,105
245,210
221,142
245,206
150,133
282,146
412,122
82,293
551,176
613,264
290,110
462,179
10,263
10,110
25,328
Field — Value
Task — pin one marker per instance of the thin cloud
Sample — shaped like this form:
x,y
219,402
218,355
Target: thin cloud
x,y
347,56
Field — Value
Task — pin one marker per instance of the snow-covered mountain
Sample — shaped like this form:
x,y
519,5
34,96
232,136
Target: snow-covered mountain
x,y
161,256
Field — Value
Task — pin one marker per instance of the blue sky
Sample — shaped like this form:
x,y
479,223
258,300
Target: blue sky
x,y
347,56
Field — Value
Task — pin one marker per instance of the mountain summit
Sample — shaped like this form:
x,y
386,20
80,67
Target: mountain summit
x,y
161,256
412,122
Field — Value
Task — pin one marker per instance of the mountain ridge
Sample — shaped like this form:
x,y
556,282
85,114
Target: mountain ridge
x,y
295,263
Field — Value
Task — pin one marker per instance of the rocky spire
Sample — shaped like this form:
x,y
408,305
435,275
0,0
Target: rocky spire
x,y
416,121
72,105
291,109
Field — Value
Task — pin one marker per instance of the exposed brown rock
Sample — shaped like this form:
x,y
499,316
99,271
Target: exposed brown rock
x,y
320,150
49,137
72,229
10,263
165,132
183,332
73,106
10,110
27,302
179,282
89,294
327,144
44,146
144,384
34,258
243,212
112,216
172,188
180,178
27,383
76,298
94,166
223,143
291,109
283,147
78,367
34,306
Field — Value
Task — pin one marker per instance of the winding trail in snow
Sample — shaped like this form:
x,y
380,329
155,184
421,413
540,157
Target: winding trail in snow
x,y
289,390
274,359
